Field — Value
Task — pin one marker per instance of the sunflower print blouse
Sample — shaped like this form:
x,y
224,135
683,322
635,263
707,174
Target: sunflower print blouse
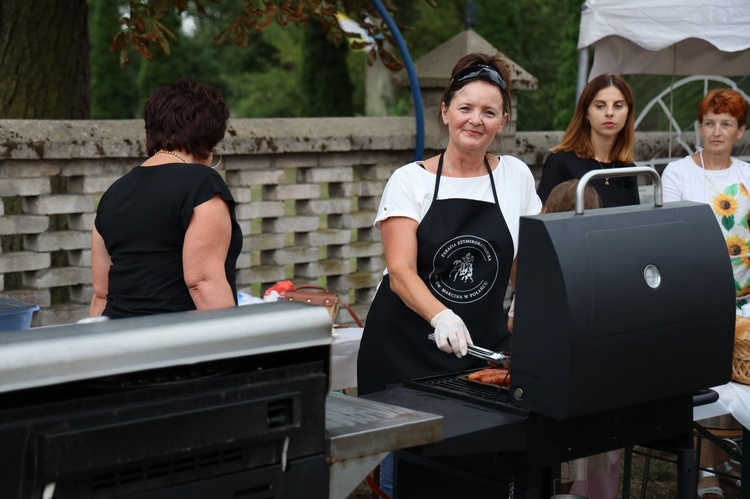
x,y
731,207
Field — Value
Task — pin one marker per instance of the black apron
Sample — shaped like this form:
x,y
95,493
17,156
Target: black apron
x,y
464,256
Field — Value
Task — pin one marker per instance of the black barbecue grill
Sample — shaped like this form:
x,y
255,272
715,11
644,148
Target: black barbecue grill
x,y
622,315
219,404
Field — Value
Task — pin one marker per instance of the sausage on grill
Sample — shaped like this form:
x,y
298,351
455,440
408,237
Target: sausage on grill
x,y
491,376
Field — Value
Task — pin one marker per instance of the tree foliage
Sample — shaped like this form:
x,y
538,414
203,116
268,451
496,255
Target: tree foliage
x,y
325,75
429,27
264,76
162,69
144,24
270,86
563,81
538,35
114,93
499,22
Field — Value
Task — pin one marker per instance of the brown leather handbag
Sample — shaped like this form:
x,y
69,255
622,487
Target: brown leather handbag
x,y
320,295
315,295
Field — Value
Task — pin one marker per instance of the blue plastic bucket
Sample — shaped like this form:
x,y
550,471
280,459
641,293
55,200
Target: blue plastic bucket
x,y
15,315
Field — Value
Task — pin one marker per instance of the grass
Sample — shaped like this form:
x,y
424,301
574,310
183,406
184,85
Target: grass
x,y
662,478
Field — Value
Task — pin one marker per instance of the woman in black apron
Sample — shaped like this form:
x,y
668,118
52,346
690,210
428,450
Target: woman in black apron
x,y
449,227
464,258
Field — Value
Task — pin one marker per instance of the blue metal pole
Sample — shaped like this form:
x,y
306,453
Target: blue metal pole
x,y
413,83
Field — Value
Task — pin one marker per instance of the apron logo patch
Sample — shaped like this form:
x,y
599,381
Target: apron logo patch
x,y
464,269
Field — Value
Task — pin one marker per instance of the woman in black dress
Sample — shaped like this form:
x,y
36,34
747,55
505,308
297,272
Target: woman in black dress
x,y
165,237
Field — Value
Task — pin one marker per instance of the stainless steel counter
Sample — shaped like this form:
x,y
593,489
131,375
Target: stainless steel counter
x,y
361,432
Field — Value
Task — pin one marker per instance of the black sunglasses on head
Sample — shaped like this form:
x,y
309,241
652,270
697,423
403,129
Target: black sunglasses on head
x,y
473,72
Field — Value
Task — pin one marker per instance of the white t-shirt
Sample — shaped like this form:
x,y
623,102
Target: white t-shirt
x,y
409,192
685,180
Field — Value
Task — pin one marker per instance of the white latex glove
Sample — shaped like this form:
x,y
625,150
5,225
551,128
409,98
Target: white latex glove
x,y
451,335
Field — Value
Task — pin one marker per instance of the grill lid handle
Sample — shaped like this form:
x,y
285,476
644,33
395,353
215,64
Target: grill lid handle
x,y
619,172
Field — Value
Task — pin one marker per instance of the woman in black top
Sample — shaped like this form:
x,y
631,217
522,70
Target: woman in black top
x,y
600,136
165,238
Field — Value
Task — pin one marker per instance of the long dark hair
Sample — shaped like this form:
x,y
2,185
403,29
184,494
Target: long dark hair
x,y
577,137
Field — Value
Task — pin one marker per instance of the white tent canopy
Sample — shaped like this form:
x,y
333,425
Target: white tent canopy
x,y
672,37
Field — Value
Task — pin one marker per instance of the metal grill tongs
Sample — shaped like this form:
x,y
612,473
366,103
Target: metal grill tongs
x,y
500,358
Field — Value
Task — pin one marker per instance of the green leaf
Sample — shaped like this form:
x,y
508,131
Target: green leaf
x,y
728,222
743,221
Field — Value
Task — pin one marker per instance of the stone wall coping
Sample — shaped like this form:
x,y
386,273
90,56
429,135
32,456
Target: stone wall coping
x,y
86,139
91,139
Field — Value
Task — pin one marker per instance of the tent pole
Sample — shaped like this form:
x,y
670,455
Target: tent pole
x,y
583,70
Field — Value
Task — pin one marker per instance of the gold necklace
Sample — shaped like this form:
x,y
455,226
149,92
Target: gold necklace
x,y
606,179
172,153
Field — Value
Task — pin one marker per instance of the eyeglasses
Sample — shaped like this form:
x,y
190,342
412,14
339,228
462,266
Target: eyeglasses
x,y
473,72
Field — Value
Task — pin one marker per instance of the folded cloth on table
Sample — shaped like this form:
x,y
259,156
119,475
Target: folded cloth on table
x,y
344,353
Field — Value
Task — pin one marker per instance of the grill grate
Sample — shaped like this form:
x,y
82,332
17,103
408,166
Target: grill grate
x,y
457,386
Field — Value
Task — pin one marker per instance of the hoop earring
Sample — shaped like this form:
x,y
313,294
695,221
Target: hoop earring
x,y
217,150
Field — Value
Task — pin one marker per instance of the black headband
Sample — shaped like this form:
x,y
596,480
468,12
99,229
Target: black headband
x,y
474,72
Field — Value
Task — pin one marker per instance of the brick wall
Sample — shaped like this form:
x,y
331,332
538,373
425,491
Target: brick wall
x,y
307,192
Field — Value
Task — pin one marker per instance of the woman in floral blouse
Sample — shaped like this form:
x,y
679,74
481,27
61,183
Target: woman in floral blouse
x,y
713,176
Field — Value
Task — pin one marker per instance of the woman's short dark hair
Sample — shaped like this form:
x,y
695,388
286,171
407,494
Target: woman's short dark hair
x,y
186,116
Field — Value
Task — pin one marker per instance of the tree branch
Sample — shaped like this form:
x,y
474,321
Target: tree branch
x,y
142,27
